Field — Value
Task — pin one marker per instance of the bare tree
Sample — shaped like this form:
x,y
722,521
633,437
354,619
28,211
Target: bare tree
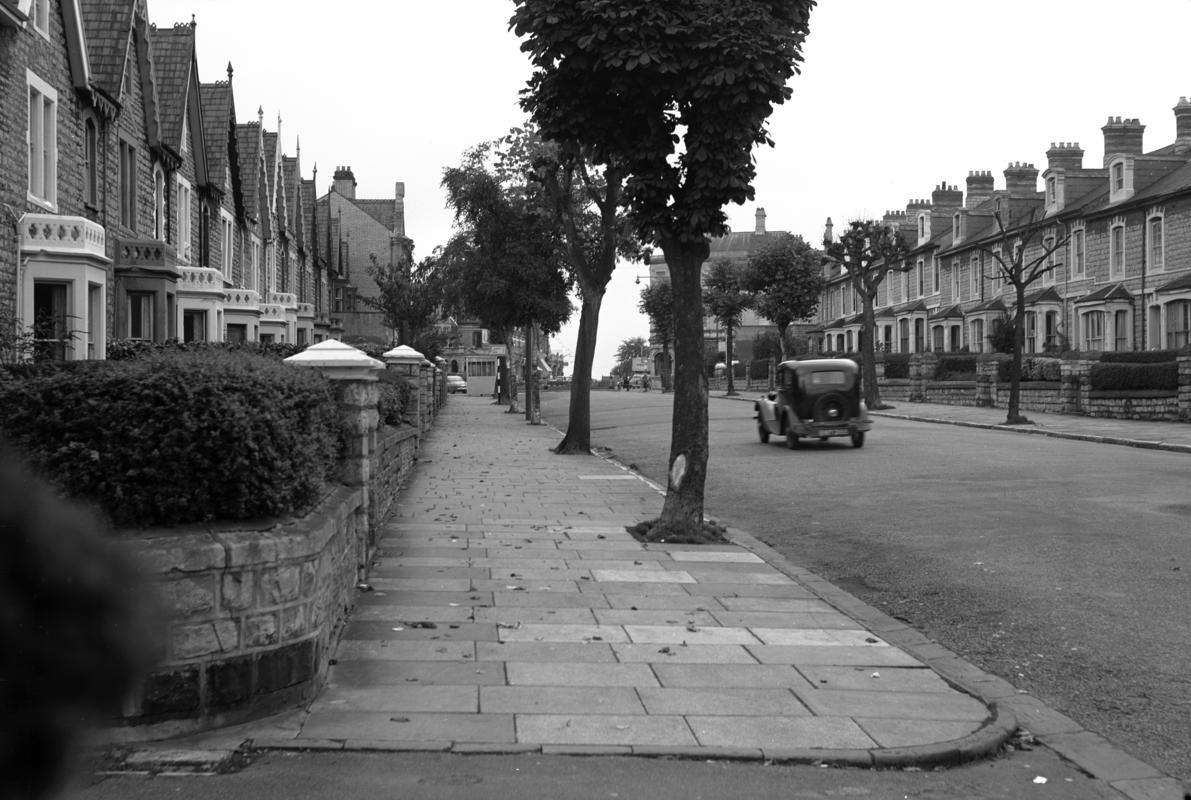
x,y
1008,250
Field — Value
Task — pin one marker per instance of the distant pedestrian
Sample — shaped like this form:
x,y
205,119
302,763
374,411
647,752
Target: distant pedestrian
x,y
625,383
645,383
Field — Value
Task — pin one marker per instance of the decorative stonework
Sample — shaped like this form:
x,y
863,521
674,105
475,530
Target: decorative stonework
x,y
52,233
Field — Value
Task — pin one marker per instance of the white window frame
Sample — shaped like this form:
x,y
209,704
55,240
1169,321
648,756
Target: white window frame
x,y
920,278
1156,244
936,275
1120,179
974,278
1052,260
158,203
956,285
1079,253
1116,249
1085,319
39,15
90,161
994,280
41,142
227,230
185,206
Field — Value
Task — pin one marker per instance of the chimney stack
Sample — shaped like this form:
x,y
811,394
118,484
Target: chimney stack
x,y
1064,155
1182,123
980,187
946,198
1122,136
1021,180
828,235
344,182
760,220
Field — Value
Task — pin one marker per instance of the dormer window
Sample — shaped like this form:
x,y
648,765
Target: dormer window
x,y
40,17
921,226
955,227
1120,180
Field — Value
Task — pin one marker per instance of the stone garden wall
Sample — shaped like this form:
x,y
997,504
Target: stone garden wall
x,y
253,613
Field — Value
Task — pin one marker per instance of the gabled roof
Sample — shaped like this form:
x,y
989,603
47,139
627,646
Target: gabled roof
x,y
107,27
273,183
951,312
219,113
289,172
913,307
248,139
11,15
1114,291
383,211
173,60
996,304
1047,295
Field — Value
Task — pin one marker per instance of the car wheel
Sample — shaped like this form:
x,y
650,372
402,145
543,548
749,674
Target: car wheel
x,y
762,432
791,437
831,408
858,439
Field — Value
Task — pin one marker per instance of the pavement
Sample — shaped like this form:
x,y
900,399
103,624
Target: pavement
x,y
510,612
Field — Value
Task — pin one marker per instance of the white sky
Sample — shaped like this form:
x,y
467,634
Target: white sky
x,y
893,99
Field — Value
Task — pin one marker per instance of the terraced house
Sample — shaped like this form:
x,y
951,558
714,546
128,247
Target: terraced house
x,y
1120,233
138,208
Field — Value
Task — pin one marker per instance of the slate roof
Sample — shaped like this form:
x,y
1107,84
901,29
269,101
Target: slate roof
x,y
1047,295
107,26
248,146
383,211
219,112
172,50
289,175
911,307
951,312
1114,291
996,304
1177,285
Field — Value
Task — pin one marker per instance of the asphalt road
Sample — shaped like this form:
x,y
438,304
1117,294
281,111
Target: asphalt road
x,y
1062,566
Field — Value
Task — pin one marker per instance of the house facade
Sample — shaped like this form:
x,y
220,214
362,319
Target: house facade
x,y
1114,241
138,206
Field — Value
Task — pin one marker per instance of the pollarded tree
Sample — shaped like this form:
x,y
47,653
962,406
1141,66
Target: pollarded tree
x,y
1021,252
676,93
726,300
867,252
786,279
657,303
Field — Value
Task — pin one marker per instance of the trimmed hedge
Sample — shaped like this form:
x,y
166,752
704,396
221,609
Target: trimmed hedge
x,y
897,365
1033,368
126,349
955,367
181,437
1138,356
1107,376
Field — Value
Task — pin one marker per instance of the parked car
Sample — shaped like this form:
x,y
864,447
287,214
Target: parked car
x,y
456,383
817,398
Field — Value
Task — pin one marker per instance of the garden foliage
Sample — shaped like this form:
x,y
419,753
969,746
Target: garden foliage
x,y
179,437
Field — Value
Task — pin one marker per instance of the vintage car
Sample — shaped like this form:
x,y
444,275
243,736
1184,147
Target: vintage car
x,y
817,399
456,383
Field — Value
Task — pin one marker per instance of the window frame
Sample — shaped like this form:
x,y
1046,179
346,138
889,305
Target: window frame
x,y
126,182
41,142
185,223
1116,250
1156,244
90,162
1079,250
39,17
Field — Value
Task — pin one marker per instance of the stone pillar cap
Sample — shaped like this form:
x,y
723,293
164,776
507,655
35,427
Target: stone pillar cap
x,y
403,354
337,359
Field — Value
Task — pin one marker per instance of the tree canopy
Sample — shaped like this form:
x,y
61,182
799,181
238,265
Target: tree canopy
x,y
786,279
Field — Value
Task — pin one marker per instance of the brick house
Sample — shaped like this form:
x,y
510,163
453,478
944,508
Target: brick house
x,y
1120,270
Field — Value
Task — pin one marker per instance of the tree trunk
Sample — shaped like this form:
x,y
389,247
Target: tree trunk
x,y
578,436
1014,417
868,355
666,364
781,340
682,511
731,337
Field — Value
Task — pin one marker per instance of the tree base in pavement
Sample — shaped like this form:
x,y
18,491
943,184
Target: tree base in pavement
x,y
1018,420
655,531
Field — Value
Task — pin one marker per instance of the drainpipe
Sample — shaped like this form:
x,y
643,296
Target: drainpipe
x,y
1145,230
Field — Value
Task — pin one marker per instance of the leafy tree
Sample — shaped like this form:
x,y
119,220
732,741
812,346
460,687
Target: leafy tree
x,y
505,264
786,279
769,345
725,298
867,252
627,350
675,93
408,300
657,303
1021,252
587,203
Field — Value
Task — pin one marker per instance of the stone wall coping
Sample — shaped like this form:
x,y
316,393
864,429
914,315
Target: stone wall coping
x,y
191,549
1133,394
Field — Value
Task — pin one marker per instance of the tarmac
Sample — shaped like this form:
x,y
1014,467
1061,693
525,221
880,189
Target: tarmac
x,y
509,611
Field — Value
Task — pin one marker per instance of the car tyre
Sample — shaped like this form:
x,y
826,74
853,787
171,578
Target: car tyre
x,y
791,437
858,439
762,432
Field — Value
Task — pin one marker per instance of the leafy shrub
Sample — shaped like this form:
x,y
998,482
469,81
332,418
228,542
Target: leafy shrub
x,y
758,369
897,365
179,437
955,368
395,392
125,349
1138,357
1125,377
1033,368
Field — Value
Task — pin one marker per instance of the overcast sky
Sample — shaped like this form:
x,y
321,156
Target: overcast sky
x,y
893,99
